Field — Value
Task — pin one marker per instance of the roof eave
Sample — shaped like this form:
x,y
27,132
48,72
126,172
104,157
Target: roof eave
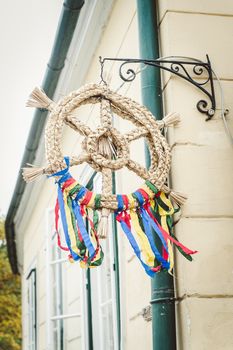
x,y
67,23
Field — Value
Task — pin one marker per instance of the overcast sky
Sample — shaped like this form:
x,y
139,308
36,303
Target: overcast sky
x,y
27,30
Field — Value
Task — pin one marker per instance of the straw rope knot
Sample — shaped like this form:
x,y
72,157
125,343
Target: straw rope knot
x,y
91,145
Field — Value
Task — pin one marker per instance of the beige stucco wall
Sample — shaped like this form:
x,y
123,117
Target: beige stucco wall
x,y
133,300
202,168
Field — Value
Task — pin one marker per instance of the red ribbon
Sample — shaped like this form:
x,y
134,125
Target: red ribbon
x,y
56,212
167,236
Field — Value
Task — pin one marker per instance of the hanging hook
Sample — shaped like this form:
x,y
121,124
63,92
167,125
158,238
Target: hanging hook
x,y
102,70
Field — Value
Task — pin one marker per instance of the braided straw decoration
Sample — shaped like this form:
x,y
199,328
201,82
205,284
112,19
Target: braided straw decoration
x,y
139,116
146,126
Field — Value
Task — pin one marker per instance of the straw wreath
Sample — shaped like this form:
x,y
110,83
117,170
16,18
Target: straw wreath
x,y
145,212
97,148
110,101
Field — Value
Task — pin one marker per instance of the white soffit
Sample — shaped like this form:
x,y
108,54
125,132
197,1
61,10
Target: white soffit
x,y
86,39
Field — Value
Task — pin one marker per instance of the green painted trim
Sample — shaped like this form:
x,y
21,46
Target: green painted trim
x,y
89,311
67,23
116,267
162,287
88,285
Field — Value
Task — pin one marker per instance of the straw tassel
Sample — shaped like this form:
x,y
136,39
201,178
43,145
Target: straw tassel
x,y
106,148
39,99
178,197
103,224
169,120
32,173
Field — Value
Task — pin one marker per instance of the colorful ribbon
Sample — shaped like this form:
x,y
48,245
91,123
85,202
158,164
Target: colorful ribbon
x,y
81,244
148,228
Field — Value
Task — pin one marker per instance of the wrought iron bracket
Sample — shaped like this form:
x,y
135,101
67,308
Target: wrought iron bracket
x,y
196,72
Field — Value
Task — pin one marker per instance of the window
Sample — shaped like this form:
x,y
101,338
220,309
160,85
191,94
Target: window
x,y
63,285
57,297
32,324
103,287
83,306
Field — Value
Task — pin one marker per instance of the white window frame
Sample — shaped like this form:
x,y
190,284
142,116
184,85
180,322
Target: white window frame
x,y
32,310
50,317
112,300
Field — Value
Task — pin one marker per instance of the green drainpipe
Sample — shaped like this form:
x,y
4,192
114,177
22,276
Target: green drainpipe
x,y
162,295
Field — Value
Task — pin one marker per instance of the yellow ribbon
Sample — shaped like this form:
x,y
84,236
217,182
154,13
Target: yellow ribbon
x,y
168,204
163,213
144,244
91,201
69,220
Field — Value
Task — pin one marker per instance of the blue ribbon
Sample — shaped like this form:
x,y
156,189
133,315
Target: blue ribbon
x,y
139,197
64,223
80,194
148,233
64,171
63,179
136,248
157,230
147,223
120,203
83,230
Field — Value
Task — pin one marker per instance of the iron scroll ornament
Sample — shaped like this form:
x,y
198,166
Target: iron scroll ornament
x,y
200,75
